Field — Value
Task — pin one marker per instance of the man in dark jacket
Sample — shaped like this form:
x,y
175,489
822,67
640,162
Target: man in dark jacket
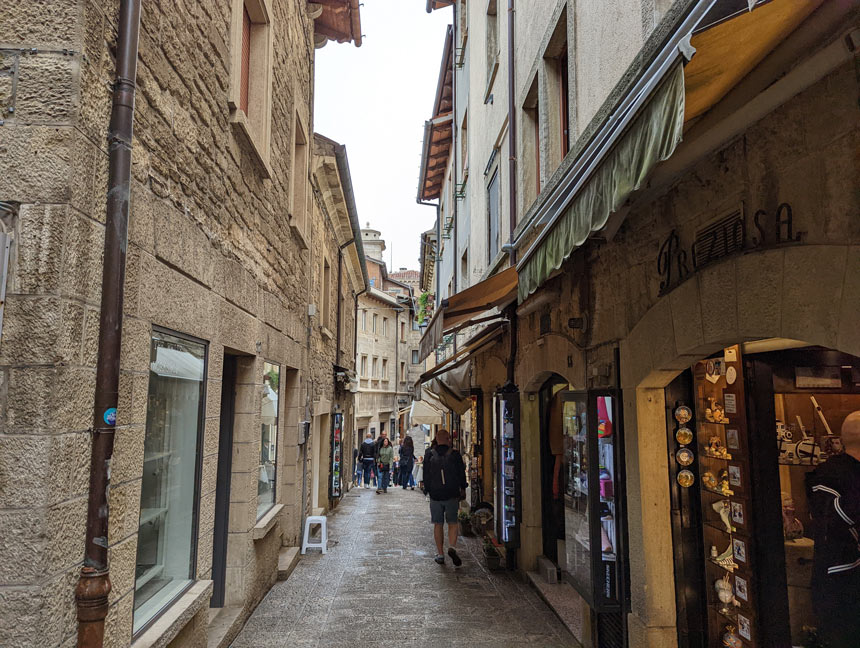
x,y
367,457
445,483
834,502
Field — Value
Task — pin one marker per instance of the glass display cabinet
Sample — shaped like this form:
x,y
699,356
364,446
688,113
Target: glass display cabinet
x,y
593,488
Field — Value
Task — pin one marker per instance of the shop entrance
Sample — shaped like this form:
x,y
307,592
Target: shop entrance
x,y
757,429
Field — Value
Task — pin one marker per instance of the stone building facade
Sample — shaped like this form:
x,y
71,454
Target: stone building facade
x,y
218,339
643,297
388,336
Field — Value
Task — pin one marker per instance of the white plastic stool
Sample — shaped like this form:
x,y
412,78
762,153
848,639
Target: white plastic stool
x,y
306,542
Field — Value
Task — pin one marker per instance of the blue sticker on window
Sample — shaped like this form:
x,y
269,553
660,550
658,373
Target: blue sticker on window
x,y
110,416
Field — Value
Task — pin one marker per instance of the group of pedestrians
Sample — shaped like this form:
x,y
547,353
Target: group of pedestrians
x,y
376,463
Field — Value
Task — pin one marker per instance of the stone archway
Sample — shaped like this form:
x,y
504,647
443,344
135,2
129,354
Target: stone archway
x,y
807,293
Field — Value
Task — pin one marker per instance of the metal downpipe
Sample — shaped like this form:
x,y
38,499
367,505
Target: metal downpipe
x,y
93,588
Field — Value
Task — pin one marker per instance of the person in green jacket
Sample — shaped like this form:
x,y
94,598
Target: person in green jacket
x,y
385,460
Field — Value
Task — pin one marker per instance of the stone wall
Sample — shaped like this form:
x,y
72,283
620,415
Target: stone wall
x,y
211,254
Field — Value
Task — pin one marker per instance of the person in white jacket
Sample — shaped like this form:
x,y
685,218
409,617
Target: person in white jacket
x,y
418,472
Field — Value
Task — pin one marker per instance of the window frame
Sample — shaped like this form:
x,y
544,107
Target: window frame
x,y
416,357
254,128
495,176
198,483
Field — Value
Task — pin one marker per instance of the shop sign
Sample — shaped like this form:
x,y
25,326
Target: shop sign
x,y
730,235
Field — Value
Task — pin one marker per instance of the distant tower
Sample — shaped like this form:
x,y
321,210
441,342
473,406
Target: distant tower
x,y
374,246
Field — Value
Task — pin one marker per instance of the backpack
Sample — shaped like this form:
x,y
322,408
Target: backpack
x,y
441,478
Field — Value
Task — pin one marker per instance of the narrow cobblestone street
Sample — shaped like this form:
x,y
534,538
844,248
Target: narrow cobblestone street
x,y
378,585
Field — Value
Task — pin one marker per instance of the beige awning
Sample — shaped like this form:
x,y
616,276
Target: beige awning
x,y
427,411
470,306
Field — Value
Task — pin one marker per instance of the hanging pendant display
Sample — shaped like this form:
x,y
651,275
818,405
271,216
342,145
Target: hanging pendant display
x,y
684,435
684,456
683,414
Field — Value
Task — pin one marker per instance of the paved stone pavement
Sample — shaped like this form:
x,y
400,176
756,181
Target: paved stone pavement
x,y
379,586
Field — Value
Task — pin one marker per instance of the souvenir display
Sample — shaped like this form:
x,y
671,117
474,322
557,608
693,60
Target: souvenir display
x,y
723,485
731,375
735,476
709,481
737,512
684,456
741,588
684,435
723,509
686,478
683,414
715,448
725,594
744,627
730,638
739,548
715,413
725,559
732,440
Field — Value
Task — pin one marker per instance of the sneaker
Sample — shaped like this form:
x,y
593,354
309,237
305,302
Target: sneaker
x,y
440,559
454,557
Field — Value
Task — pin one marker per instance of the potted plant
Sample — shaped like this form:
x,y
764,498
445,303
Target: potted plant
x,y
491,555
465,521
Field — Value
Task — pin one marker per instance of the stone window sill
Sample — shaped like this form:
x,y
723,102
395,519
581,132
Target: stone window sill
x,y
176,617
266,523
243,127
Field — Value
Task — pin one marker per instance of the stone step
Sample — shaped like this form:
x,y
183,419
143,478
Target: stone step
x,y
547,570
288,558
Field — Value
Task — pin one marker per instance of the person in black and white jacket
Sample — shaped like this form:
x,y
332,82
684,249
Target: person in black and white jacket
x,y
834,502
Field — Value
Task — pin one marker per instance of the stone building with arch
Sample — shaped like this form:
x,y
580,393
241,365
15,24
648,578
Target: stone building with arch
x,y
737,248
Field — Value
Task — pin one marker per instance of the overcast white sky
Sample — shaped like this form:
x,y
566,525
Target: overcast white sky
x,y
374,99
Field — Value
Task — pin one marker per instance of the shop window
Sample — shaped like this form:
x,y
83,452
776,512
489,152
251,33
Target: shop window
x,y
167,534
268,439
493,217
250,95
415,357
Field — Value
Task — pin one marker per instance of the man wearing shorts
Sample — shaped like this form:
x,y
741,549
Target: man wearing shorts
x,y
445,483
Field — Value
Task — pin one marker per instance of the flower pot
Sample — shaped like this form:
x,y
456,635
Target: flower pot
x,y
493,559
466,528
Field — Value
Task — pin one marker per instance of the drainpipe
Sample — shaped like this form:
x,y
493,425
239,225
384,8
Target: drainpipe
x,y
512,134
93,588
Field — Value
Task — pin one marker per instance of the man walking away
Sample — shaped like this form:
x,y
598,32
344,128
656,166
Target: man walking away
x,y
445,482
367,457
407,459
834,502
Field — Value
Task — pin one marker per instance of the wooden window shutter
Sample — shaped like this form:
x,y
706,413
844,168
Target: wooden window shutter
x,y
244,81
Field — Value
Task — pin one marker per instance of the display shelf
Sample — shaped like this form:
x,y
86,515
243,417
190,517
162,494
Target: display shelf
x,y
728,493
707,456
719,526
707,422
724,567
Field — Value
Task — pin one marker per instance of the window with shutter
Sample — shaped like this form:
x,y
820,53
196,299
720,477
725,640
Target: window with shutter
x,y
246,60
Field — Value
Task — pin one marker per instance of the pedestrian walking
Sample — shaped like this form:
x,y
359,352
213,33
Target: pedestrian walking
x,y
367,456
834,499
384,461
445,483
407,461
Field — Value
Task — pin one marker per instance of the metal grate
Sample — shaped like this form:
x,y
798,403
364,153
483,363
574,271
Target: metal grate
x,y
719,239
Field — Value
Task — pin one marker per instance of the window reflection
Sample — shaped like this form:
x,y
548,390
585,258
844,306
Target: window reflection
x,y
268,438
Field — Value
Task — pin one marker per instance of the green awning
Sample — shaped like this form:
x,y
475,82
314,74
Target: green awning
x,y
651,138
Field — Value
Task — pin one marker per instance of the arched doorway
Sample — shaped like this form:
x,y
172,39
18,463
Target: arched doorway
x,y
775,307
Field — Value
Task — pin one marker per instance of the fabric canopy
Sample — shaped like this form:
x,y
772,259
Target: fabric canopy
x,y
651,138
427,411
467,305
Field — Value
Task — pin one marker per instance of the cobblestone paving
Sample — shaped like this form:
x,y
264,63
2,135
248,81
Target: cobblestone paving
x,y
378,586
